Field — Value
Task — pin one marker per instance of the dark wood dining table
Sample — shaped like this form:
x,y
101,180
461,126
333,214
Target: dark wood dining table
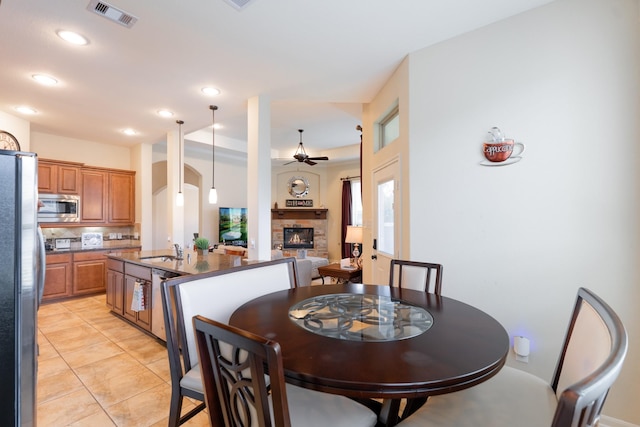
x,y
462,347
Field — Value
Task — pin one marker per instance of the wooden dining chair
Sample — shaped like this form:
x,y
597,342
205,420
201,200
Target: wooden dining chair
x,y
592,355
416,275
244,384
216,295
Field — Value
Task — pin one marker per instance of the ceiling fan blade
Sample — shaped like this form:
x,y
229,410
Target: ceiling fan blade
x,y
288,163
319,158
309,162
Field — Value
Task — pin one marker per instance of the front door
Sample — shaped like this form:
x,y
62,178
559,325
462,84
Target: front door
x,y
386,228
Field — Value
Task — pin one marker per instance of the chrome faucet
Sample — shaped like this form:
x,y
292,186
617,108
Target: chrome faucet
x,y
179,251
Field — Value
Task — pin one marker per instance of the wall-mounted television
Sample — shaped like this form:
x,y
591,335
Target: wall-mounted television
x,y
232,226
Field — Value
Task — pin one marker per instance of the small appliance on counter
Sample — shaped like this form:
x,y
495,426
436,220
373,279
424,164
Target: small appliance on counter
x,y
62,244
91,240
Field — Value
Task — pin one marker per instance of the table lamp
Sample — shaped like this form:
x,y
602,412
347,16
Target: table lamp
x,y
354,235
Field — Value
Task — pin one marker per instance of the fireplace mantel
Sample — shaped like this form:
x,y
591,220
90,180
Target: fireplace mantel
x,y
299,213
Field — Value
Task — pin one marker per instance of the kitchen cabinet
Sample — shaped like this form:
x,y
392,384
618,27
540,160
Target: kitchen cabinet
x,y
89,272
56,177
58,277
108,196
115,286
135,273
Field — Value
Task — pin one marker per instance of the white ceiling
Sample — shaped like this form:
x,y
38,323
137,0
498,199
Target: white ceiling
x,y
317,61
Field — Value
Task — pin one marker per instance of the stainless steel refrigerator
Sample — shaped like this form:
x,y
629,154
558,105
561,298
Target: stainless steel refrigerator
x,y
21,283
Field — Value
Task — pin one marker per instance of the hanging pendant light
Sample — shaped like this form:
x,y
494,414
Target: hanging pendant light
x,y
213,194
180,196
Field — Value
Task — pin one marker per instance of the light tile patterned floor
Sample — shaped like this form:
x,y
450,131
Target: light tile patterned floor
x,y
96,370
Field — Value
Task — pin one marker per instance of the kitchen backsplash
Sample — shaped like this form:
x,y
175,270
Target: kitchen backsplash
x,y
110,235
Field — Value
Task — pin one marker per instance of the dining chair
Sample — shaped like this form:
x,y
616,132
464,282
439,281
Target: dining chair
x,y
244,384
591,358
215,295
415,275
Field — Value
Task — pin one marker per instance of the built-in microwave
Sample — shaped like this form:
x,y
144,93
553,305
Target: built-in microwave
x,y
59,208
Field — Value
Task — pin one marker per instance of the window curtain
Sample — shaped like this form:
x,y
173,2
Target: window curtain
x,y
346,217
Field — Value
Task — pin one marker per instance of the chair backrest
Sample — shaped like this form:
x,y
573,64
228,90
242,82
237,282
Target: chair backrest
x,y
215,295
593,353
233,363
416,275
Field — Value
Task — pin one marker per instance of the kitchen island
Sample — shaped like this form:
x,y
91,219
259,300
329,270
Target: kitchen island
x,y
143,272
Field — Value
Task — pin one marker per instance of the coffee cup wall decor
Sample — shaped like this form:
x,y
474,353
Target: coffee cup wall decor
x,y
501,151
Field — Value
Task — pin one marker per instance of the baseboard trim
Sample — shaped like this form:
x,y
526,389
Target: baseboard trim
x,y
614,422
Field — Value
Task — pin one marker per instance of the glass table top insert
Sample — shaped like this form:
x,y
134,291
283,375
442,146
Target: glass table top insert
x,y
360,317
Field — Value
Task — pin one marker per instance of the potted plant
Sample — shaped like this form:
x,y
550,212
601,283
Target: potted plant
x,y
202,245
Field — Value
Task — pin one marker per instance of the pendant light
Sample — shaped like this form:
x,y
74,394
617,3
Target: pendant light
x,y
180,196
213,194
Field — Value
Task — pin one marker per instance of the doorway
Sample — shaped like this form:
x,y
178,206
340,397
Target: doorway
x,y
387,227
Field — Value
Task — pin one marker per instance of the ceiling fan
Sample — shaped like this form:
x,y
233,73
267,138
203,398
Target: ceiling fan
x,y
302,156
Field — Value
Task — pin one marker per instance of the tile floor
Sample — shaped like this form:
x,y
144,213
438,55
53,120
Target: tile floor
x,y
96,370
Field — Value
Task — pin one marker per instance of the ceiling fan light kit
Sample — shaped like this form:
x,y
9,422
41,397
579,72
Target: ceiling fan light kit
x,y
302,156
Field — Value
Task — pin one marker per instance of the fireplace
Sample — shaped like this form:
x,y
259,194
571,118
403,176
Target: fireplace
x,y
298,238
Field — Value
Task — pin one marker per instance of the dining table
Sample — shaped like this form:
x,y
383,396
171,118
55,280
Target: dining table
x,y
378,344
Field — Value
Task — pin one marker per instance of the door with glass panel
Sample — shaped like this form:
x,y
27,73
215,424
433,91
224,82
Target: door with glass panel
x,y
386,227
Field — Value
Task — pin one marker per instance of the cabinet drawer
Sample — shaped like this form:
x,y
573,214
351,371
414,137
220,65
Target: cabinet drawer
x,y
115,265
137,271
58,258
89,256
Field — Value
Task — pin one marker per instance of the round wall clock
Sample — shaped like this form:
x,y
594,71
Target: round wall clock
x,y
8,141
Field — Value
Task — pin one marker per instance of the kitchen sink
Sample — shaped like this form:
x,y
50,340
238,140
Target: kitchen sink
x,y
158,258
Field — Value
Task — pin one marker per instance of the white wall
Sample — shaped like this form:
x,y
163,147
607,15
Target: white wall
x,y
517,241
75,150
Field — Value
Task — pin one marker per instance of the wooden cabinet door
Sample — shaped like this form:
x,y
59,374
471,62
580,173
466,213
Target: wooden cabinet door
x,y
58,277
89,276
115,291
121,198
47,177
68,180
140,318
93,203
58,178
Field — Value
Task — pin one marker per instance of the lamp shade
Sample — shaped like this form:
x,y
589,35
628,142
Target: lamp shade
x,y
354,234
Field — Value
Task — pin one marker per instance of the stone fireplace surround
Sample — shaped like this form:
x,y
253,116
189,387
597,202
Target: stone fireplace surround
x,y
315,218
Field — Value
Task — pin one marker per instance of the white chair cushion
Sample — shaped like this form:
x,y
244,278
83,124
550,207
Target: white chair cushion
x,y
309,408
193,380
511,398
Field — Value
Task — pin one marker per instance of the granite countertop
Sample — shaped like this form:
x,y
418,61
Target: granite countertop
x,y
111,247
191,264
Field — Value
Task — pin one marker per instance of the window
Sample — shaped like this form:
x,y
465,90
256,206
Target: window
x,y
390,128
356,202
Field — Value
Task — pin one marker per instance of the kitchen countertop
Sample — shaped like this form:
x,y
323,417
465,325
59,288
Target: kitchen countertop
x,y
112,247
203,264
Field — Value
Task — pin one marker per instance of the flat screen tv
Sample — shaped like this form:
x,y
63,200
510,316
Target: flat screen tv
x,y
233,226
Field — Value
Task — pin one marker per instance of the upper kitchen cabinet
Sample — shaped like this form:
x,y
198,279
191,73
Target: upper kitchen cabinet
x,y
56,177
108,196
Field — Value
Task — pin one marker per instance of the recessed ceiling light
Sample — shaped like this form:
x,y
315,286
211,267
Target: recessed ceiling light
x,y
217,126
129,132
73,38
210,91
25,110
45,80
165,113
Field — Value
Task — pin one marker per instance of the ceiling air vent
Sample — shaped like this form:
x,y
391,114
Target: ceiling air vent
x,y
239,4
112,13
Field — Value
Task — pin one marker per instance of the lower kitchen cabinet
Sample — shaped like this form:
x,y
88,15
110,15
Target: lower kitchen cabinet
x,y
115,286
135,273
89,272
58,277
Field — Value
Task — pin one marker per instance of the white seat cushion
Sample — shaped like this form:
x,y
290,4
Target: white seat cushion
x,y
511,398
309,408
192,380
